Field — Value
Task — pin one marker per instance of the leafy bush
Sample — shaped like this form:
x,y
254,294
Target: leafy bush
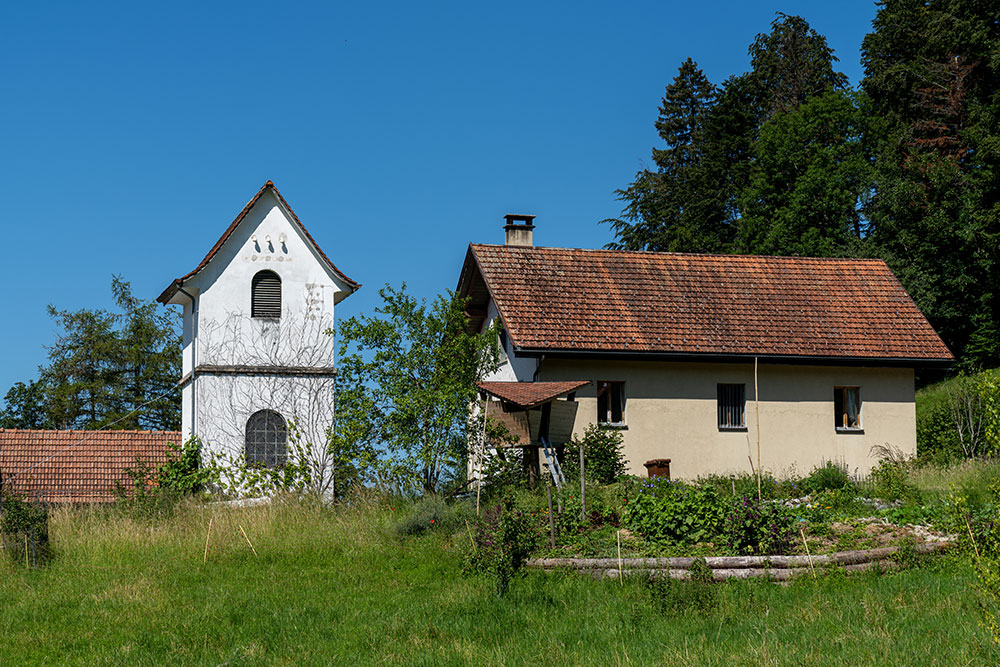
x,y
959,417
182,472
828,477
890,481
24,527
745,484
503,471
759,528
603,459
503,539
669,511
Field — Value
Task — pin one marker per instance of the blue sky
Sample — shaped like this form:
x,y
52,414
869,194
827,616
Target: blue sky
x,y
132,134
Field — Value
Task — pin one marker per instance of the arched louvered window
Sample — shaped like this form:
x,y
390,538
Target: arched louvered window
x,y
265,295
267,439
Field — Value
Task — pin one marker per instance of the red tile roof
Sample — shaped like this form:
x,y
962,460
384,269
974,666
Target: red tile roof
x,y
76,466
169,292
530,394
690,304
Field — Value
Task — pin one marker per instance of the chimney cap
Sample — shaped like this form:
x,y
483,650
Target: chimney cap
x,y
513,218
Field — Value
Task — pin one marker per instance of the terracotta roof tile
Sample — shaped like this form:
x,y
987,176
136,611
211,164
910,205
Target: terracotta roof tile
x,y
172,288
76,466
529,394
646,302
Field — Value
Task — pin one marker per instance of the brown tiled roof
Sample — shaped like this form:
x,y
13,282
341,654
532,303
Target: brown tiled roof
x,y
169,292
529,394
689,304
76,466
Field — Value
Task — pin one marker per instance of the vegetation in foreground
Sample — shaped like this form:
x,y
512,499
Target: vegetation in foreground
x,y
374,581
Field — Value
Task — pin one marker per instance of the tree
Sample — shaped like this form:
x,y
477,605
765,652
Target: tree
x,y
105,369
694,201
807,181
25,407
932,75
672,208
412,368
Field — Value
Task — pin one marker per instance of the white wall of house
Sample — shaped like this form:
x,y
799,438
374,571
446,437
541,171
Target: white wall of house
x,y
671,412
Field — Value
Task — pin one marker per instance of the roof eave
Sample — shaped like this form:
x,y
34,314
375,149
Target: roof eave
x,y
715,357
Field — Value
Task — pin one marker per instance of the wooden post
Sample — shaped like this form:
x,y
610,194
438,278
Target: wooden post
x,y
583,489
552,520
209,536
482,453
756,408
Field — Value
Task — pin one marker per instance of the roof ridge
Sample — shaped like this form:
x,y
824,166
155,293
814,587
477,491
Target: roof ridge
x,y
661,253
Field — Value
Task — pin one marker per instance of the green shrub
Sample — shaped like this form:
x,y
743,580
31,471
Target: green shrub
x,y
430,512
890,481
24,528
670,511
944,410
759,528
503,539
828,477
182,472
745,484
603,459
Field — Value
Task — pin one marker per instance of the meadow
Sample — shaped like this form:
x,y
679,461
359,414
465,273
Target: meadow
x,y
344,586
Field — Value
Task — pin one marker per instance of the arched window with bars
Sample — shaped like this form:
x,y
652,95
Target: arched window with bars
x,y
265,295
266,439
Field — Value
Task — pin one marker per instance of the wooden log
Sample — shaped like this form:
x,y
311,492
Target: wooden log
x,y
732,562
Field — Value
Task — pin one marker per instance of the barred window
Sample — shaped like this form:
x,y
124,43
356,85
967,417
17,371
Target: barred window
x,y
610,403
847,408
265,295
267,438
732,406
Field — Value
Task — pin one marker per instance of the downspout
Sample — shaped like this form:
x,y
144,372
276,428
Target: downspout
x,y
538,367
194,358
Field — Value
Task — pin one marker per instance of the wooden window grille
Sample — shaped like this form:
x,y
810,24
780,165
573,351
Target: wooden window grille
x,y
266,439
732,406
611,403
847,408
265,295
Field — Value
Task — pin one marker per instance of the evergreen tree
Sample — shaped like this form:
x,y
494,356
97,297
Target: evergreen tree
x,y
932,74
117,369
668,209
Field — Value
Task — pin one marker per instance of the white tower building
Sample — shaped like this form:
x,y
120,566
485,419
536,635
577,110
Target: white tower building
x,y
258,365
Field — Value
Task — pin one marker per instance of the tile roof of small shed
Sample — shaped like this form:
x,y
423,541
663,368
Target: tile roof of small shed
x,y
76,466
691,304
530,394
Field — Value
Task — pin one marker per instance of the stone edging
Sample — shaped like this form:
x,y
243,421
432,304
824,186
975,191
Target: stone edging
x,y
779,568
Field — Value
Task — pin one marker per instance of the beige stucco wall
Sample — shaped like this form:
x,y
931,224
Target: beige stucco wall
x,y
670,412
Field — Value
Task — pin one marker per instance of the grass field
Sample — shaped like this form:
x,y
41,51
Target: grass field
x,y
338,587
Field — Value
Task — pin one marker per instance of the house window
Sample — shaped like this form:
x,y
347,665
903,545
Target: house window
x,y
503,346
732,406
265,295
847,408
266,439
610,403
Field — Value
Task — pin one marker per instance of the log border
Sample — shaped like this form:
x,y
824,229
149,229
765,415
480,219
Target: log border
x,y
778,568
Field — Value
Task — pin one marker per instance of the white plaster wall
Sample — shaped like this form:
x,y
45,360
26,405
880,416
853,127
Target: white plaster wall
x,y
219,331
226,402
671,412
513,369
